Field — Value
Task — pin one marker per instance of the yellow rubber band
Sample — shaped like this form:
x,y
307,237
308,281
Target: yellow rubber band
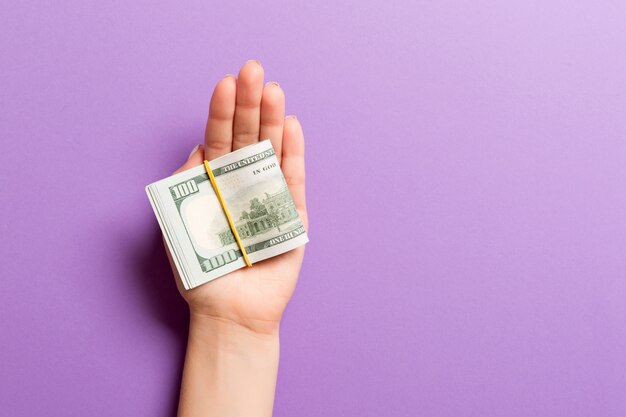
x,y
230,219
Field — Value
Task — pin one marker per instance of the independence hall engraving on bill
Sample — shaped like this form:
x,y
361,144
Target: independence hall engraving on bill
x,y
275,210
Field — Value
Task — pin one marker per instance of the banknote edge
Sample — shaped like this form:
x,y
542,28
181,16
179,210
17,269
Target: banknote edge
x,y
153,195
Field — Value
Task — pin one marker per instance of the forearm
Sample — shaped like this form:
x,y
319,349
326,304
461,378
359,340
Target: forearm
x,y
229,370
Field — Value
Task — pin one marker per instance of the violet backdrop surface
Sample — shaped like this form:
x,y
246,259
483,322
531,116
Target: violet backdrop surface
x,y
466,166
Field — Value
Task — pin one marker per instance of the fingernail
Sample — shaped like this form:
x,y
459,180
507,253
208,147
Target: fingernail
x,y
272,82
194,150
229,76
255,60
291,116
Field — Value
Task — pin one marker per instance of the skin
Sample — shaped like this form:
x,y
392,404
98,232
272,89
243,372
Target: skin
x,y
232,354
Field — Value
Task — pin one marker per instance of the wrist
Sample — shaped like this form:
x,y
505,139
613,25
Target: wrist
x,y
226,362
230,336
264,322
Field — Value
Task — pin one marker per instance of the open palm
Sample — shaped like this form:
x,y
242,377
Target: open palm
x,y
241,112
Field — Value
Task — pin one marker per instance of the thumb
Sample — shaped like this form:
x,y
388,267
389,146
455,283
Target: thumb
x,y
196,157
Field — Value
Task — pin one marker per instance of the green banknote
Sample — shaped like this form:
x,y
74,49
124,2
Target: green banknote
x,y
195,227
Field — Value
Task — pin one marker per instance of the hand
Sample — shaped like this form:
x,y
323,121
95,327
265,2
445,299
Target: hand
x,y
241,112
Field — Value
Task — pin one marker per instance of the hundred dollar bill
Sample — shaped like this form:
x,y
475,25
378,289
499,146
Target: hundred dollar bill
x,y
195,227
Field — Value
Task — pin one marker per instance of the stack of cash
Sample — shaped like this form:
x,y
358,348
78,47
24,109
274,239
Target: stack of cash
x,y
195,226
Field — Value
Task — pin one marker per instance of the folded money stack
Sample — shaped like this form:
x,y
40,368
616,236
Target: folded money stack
x,y
195,226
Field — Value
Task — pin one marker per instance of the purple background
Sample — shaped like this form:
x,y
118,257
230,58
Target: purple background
x,y
467,192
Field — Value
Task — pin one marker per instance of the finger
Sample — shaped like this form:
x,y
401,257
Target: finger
x,y
218,136
293,164
273,116
248,105
196,157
